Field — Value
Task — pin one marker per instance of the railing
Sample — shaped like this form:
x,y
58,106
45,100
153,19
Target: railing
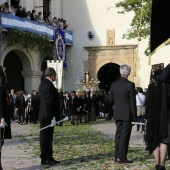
x,y
11,21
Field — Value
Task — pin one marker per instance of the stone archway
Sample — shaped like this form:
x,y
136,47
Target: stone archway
x,y
31,76
15,64
119,54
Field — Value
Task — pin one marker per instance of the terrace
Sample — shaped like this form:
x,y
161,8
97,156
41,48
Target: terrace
x,y
11,21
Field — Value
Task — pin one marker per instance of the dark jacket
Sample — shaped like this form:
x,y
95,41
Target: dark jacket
x,y
61,99
32,17
4,112
73,105
35,102
49,101
23,14
123,96
80,105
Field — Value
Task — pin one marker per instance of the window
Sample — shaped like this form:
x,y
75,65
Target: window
x,y
45,7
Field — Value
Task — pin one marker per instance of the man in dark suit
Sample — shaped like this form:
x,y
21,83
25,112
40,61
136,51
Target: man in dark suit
x,y
49,108
12,98
93,106
123,96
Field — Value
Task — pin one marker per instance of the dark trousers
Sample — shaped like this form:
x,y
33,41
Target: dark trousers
x,y
61,115
35,113
12,111
122,137
29,117
46,139
140,119
21,113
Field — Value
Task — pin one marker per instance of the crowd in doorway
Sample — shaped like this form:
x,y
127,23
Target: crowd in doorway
x,y
85,107
32,15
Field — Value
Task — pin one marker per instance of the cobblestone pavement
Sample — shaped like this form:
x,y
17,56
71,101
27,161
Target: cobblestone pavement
x,y
17,156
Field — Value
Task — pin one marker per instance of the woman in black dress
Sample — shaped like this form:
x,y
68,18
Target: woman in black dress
x,y
157,136
20,107
5,126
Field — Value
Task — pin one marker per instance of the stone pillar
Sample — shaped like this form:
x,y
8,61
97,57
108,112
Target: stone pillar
x,y
58,8
32,80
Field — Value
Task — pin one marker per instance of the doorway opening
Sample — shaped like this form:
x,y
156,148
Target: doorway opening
x,y
107,74
14,66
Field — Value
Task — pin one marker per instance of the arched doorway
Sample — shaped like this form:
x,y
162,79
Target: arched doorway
x,y
14,66
107,74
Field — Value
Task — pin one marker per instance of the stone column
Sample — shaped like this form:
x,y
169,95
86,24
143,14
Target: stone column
x,y
58,8
32,80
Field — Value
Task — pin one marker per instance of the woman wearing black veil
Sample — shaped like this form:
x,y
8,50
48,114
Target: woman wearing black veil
x,y
5,128
157,135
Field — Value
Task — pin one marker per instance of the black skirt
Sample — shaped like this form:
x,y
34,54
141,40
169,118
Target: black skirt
x,y
167,139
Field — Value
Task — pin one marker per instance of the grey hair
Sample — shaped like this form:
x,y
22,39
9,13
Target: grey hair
x,y
125,70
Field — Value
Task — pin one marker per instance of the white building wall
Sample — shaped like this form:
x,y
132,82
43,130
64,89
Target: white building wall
x,y
94,15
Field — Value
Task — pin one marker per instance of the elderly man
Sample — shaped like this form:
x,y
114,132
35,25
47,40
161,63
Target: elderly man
x,y
49,108
123,96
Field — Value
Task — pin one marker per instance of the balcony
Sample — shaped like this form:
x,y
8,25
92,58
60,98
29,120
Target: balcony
x,y
11,21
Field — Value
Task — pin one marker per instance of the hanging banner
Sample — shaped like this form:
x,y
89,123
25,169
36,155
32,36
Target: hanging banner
x,y
60,44
60,73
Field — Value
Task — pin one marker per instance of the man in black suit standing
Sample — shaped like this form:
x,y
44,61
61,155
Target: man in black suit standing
x,y
123,96
49,108
12,98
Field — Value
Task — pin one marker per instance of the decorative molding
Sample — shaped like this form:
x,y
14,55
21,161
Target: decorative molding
x,y
110,37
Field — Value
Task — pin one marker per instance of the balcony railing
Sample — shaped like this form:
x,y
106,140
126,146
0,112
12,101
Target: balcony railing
x,y
11,21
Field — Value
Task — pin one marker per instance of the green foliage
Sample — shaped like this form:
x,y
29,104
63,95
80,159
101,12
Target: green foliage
x,y
30,41
137,30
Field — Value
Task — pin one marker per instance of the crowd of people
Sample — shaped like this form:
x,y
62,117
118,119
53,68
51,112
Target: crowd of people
x,y
32,15
24,106
79,107
124,102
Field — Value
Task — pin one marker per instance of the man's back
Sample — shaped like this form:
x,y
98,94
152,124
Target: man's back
x,y
123,95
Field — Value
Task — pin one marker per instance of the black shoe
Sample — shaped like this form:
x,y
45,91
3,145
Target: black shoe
x,y
54,161
123,161
47,162
44,163
157,167
162,168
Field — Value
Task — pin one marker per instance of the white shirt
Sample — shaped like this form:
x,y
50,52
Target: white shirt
x,y
141,101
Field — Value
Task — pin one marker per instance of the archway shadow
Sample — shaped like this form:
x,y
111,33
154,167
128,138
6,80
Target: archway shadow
x,y
107,74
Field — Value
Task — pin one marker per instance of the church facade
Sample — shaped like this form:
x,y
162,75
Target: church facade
x,y
97,44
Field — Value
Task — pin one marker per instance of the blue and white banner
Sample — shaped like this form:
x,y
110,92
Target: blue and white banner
x,y
59,40
11,21
69,37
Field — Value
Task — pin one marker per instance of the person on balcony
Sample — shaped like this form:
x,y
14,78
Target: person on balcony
x,y
65,25
55,23
24,13
32,16
39,18
28,15
6,8
18,11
